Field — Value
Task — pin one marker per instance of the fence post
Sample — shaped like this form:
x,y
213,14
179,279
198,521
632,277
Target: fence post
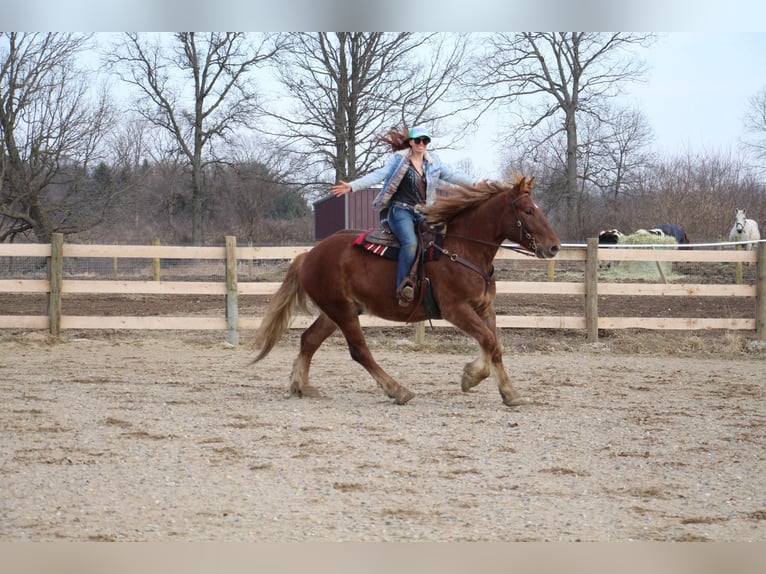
x,y
738,279
55,274
156,262
760,294
115,265
591,290
232,309
250,261
420,332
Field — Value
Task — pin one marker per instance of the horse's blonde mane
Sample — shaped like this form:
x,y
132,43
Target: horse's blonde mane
x,y
462,197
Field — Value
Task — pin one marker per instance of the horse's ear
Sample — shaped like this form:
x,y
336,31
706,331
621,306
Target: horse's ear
x,y
525,184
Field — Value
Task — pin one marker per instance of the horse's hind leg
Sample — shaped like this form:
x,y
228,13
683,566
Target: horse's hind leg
x,y
311,339
360,352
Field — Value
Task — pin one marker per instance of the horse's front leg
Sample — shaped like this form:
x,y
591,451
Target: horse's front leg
x,y
480,368
483,329
475,371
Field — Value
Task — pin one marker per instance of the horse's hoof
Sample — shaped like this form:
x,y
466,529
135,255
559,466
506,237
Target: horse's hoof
x,y
404,397
515,401
467,383
306,391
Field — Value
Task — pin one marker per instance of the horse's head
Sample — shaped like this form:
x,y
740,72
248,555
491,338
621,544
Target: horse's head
x,y
531,229
493,212
740,219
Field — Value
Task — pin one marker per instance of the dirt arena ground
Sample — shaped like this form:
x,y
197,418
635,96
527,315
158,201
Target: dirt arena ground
x,y
173,436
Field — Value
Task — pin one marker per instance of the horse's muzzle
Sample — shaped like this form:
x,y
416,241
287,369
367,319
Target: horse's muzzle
x,y
548,253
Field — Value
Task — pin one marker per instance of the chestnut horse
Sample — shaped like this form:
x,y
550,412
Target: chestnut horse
x,y
343,281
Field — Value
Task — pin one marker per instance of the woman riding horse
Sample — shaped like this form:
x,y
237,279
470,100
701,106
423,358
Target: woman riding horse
x,y
410,178
344,281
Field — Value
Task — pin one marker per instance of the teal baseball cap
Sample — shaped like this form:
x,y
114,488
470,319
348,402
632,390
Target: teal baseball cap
x,y
419,131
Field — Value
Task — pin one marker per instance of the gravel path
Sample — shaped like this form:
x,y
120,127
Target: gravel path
x,y
162,438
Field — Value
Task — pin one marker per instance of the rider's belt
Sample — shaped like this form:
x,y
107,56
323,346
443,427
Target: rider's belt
x,y
415,208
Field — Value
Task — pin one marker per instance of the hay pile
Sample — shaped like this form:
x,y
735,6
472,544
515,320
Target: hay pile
x,y
645,270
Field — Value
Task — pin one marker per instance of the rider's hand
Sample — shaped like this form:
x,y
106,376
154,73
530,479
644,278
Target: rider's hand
x,y
341,188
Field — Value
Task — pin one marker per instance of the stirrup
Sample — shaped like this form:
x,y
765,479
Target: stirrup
x,y
405,293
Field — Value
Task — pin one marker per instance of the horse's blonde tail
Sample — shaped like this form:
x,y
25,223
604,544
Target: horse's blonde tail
x,y
289,299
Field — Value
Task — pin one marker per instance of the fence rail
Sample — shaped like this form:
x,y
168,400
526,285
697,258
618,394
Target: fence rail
x,y
590,288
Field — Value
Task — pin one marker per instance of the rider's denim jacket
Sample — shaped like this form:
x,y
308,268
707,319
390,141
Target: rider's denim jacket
x,y
392,172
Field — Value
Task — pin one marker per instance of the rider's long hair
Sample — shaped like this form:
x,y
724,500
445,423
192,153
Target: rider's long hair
x,y
398,140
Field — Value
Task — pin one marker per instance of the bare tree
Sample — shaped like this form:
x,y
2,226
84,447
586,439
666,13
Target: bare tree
x,y
52,130
346,87
612,153
129,146
557,75
197,89
700,192
755,124
614,149
540,152
258,206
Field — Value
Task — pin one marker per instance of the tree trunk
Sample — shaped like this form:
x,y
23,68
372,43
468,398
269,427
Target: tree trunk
x,y
196,203
571,225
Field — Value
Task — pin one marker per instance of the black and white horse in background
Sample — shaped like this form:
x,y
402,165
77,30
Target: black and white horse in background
x,y
609,237
745,230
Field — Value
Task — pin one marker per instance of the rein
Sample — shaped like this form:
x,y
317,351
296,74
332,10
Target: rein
x,y
517,248
523,233
457,259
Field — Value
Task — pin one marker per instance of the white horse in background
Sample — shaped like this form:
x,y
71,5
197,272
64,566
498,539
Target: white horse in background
x,y
745,230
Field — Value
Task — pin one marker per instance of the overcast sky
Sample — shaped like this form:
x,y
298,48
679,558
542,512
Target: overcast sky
x,y
698,88
695,95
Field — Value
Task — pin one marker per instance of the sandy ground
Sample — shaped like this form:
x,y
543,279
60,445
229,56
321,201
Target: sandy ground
x,y
167,437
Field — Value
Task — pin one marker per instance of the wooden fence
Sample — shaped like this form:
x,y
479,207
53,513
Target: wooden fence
x,y
590,289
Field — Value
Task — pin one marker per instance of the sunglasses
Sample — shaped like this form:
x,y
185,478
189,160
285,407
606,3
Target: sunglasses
x,y
425,141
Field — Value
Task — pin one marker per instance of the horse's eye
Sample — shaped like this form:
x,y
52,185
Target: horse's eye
x,y
528,211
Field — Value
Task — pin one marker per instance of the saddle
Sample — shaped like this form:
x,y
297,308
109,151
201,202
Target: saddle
x,y
383,243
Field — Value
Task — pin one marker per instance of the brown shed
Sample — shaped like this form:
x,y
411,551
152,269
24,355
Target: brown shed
x,y
350,211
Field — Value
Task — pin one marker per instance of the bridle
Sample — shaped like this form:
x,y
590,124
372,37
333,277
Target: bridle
x,y
524,233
